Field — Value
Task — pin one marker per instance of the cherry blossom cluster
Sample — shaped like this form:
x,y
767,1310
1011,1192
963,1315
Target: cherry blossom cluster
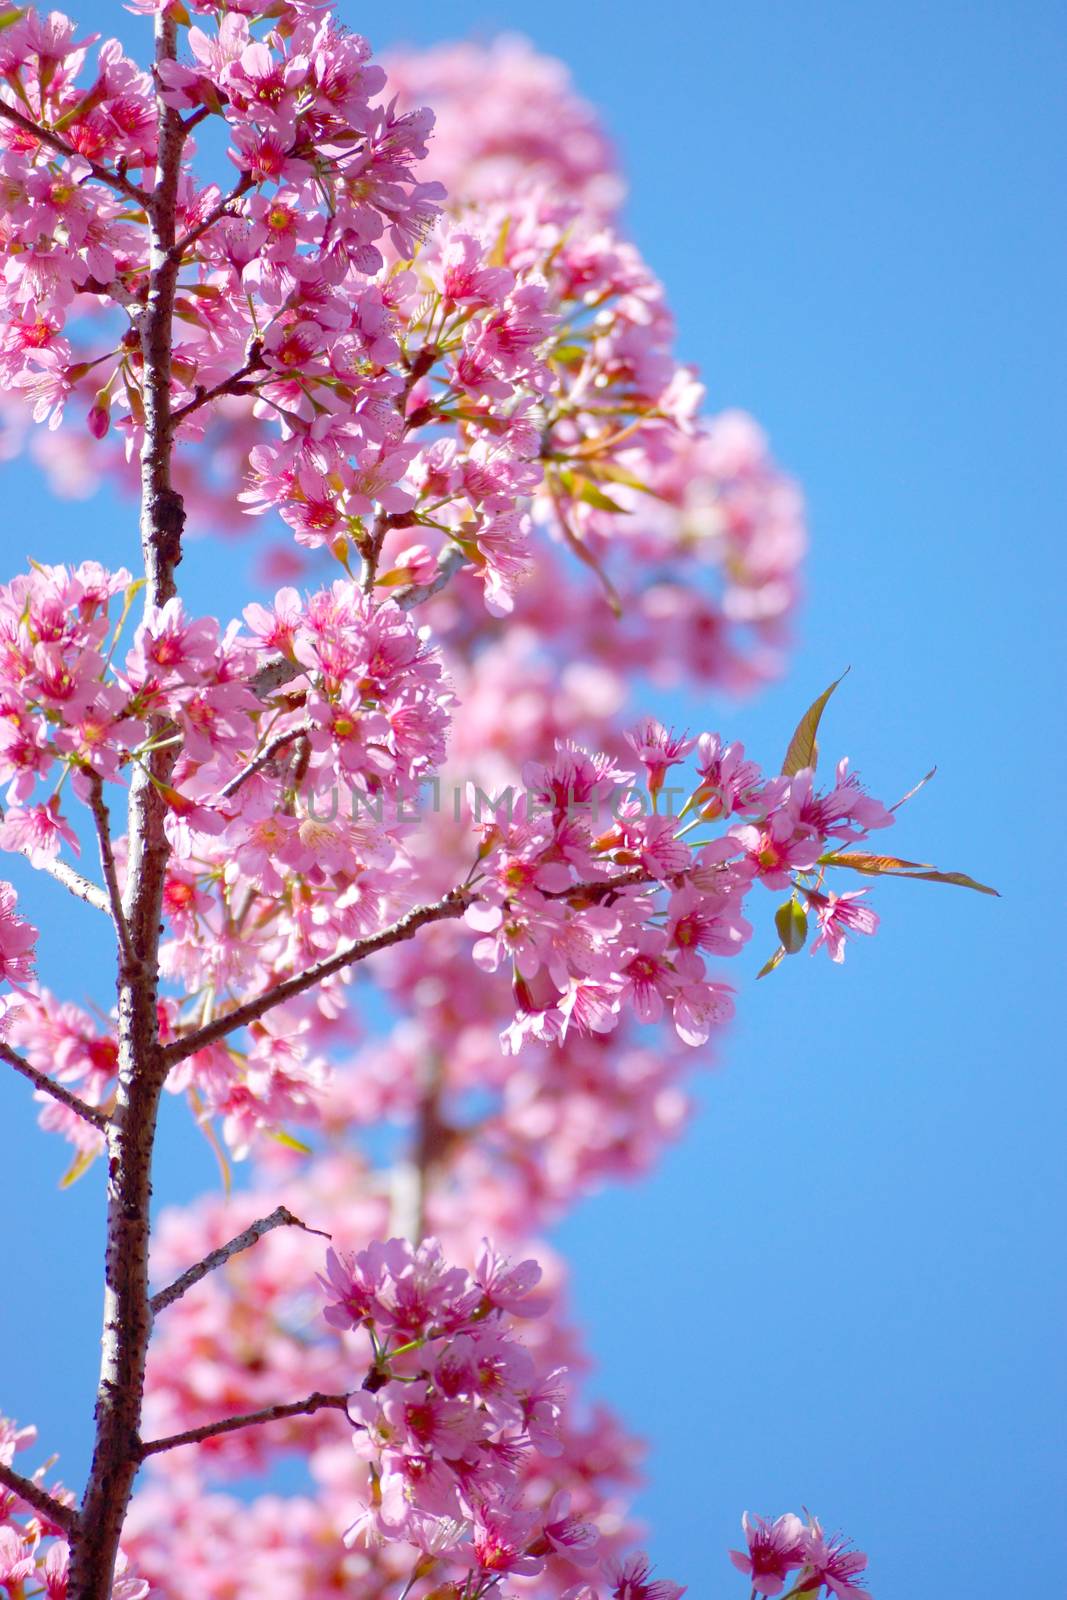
x,y
568,887
371,707
776,1550
65,1042
690,502
453,1404
69,149
595,902
257,1336
17,940
507,376
365,707
531,1133
524,127
33,1546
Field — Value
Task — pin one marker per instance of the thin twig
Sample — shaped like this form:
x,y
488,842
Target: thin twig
x,y
258,762
82,888
102,819
114,289
216,214
41,1081
250,1419
46,136
599,888
36,1497
453,904
234,384
280,1218
279,671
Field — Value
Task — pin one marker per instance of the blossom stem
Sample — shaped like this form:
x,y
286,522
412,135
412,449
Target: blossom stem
x,y
35,1496
259,761
249,1419
49,1086
281,1217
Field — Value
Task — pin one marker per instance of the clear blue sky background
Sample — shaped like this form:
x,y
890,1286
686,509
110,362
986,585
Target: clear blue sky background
x,y
847,1288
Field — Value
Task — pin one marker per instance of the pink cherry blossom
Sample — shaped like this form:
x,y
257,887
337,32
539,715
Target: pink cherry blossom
x,y
839,915
775,1549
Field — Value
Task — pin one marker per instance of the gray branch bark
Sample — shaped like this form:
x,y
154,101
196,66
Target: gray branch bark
x,y
41,1080
250,1419
33,1495
279,1218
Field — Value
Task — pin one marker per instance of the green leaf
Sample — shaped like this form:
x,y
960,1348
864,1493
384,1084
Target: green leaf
x,y
290,1141
874,866
499,254
617,474
585,555
775,961
960,879
78,1168
803,750
791,921
580,488
9,17
895,867
596,497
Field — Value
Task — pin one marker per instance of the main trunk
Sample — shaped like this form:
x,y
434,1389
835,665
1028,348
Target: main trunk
x,y
131,1136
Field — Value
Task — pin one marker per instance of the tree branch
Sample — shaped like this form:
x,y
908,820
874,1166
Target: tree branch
x,y
274,675
46,136
258,762
36,1497
250,1419
70,878
450,561
600,888
40,1080
453,904
234,384
280,1218
102,819
216,214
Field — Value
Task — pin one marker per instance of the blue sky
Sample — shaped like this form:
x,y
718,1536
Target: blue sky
x,y
846,1289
